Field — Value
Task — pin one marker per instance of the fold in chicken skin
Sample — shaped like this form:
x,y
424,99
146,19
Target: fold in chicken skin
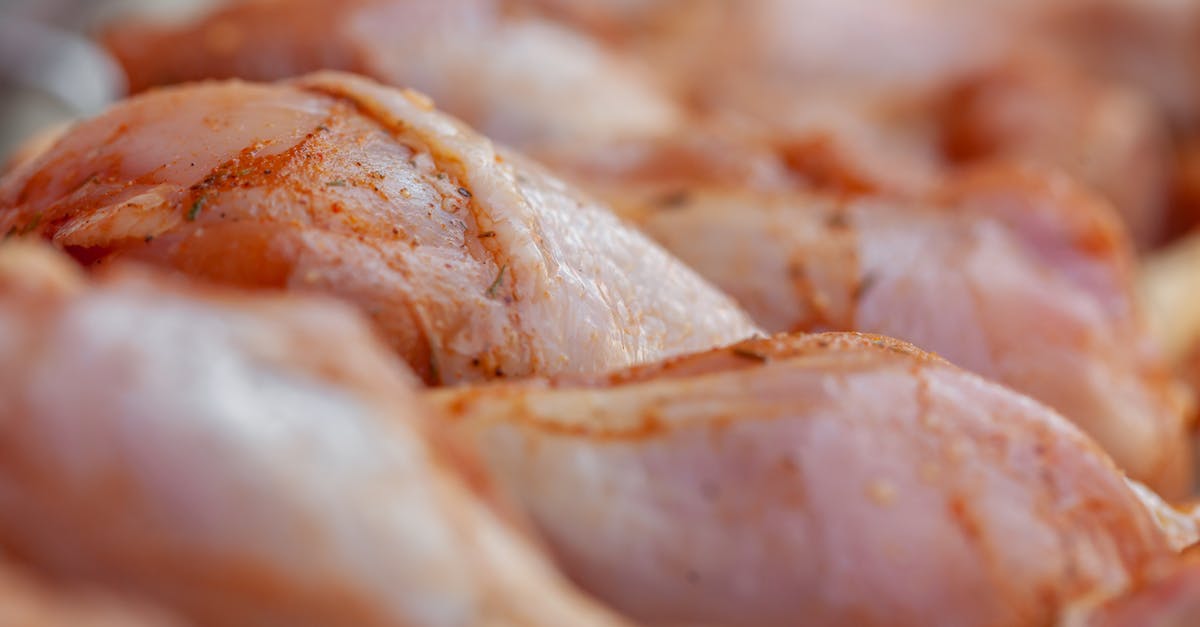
x,y
830,479
518,78
472,262
1169,596
1021,277
244,461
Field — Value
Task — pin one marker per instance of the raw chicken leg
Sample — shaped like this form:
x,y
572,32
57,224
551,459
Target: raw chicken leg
x,y
1041,111
518,78
830,479
1021,277
472,262
245,461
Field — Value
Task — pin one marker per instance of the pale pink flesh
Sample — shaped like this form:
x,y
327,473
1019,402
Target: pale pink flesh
x,y
243,460
827,479
472,262
1020,277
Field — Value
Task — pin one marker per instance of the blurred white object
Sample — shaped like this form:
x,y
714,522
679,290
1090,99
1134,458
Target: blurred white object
x,y
51,72
48,76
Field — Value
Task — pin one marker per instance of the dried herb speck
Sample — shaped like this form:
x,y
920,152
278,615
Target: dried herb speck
x,y
674,199
196,206
491,290
864,284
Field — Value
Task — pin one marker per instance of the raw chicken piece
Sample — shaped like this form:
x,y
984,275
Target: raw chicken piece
x,y
519,79
1014,91
715,49
562,72
1012,69
718,47
1153,45
1040,110
245,461
1020,277
472,262
832,479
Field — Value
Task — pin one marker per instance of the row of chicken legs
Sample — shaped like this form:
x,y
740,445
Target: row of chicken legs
x,y
225,421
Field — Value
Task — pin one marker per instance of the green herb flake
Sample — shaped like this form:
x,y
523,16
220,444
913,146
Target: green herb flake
x,y
491,290
245,171
195,209
337,183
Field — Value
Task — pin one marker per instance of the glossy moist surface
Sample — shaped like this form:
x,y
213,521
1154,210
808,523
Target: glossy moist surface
x,y
1019,276
471,262
829,479
243,460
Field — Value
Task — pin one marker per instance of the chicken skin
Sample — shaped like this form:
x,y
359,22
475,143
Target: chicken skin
x,y
472,262
519,79
243,461
1043,112
962,81
1020,276
829,479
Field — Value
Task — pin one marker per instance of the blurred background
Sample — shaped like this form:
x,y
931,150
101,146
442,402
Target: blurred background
x,y
51,71
904,90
